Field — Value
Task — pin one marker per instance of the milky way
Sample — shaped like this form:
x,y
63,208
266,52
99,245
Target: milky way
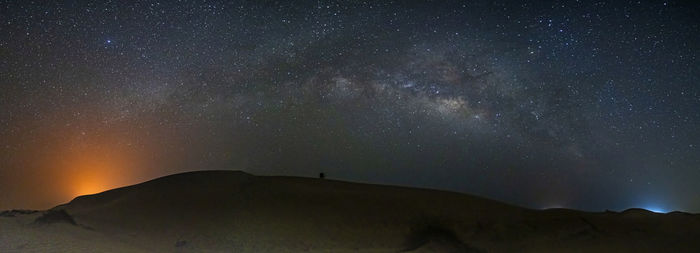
x,y
568,104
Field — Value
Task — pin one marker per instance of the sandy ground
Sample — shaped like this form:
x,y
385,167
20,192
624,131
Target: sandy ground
x,y
227,211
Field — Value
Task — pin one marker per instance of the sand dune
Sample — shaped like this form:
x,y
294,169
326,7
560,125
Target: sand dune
x,y
230,211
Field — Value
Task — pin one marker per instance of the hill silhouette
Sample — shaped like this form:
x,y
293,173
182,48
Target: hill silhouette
x,y
232,211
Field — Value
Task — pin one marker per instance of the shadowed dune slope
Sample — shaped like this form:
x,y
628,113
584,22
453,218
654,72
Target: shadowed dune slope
x,y
218,211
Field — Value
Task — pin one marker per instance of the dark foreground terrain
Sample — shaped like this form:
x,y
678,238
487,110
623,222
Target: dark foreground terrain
x,y
230,211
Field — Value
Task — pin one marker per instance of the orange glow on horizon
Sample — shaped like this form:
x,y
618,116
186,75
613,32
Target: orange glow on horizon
x,y
95,172
64,162
88,185
96,168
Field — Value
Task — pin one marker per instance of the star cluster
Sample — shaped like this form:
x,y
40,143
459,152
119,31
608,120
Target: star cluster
x,y
581,104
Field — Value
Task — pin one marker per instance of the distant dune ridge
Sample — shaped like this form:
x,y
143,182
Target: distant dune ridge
x,y
232,211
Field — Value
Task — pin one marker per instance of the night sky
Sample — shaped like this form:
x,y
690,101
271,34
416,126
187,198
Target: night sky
x,y
578,104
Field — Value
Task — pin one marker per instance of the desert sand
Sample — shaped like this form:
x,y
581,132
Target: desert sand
x,y
232,211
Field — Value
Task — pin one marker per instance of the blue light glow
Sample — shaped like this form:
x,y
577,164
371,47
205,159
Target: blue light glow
x,y
656,209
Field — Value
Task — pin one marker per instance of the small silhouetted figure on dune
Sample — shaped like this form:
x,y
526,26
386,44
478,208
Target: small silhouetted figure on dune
x,y
321,175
